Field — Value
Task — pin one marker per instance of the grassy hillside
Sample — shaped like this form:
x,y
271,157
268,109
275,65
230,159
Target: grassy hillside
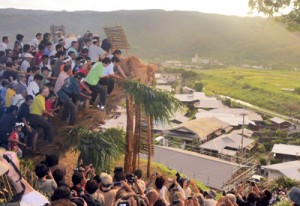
x,y
259,87
157,34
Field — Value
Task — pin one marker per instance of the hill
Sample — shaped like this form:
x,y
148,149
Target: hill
x,y
158,34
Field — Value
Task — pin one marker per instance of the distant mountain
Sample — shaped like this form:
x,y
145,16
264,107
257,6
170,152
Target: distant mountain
x,y
173,34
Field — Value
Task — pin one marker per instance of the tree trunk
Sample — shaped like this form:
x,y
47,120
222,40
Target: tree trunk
x,y
136,140
129,136
150,152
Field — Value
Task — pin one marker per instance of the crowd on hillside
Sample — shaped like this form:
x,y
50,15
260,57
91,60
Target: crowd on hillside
x,y
40,77
90,189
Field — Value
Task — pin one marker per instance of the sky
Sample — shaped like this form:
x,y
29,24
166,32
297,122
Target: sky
x,y
227,7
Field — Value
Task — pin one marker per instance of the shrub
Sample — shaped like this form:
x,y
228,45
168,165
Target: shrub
x,y
262,161
246,86
261,148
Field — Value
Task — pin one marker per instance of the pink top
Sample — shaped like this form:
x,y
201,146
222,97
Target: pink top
x,y
60,81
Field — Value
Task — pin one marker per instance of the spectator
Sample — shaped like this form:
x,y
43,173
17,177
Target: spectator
x,y
47,186
32,71
68,90
61,78
33,87
11,91
58,176
117,68
36,41
95,51
10,74
37,109
60,55
48,49
53,163
39,54
18,99
78,181
106,45
90,197
108,76
294,196
7,123
45,74
23,116
15,140
92,80
74,48
4,43
139,173
46,38
21,83
106,193
19,40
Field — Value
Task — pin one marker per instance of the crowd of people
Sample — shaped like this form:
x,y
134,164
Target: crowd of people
x,y
41,77
119,189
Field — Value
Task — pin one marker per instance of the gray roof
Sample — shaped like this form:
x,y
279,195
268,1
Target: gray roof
x,y
253,116
277,120
289,169
232,119
212,171
202,127
285,149
193,97
209,103
232,140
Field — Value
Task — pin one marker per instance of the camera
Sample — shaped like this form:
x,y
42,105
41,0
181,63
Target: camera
x,y
130,178
78,170
123,203
118,184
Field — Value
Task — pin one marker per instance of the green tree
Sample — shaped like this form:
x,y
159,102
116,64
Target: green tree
x,y
279,9
155,104
102,149
198,86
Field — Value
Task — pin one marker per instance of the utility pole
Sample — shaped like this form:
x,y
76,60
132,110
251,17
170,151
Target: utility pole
x,y
242,140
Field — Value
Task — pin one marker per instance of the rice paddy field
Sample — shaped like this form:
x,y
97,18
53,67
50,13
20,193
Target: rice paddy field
x,y
263,88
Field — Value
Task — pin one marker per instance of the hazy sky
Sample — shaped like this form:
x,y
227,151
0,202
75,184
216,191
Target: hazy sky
x,y
228,7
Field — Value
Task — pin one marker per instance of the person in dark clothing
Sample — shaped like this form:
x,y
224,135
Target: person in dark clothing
x,y
7,123
106,45
90,188
23,116
70,90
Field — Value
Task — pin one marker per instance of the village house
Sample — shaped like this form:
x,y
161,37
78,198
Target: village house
x,y
167,78
199,130
278,123
234,117
286,152
287,169
228,146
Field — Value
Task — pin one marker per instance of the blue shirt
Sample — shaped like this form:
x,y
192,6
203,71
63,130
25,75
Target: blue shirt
x,y
69,89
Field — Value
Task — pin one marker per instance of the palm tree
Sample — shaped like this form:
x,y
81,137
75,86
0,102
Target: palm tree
x,y
102,149
155,104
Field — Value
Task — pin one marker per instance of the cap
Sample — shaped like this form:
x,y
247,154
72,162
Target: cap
x,y
19,124
28,55
106,181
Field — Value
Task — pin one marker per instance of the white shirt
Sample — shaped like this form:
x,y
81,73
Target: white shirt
x,y
33,199
3,46
109,69
33,89
17,100
25,64
95,52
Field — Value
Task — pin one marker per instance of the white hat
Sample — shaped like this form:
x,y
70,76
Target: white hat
x,y
106,181
66,59
28,55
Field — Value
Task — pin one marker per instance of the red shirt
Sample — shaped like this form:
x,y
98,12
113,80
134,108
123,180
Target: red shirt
x,y
13,145
38,58
49,105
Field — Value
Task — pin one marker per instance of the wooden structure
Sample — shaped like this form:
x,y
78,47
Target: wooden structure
x,y
117,38
54,29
